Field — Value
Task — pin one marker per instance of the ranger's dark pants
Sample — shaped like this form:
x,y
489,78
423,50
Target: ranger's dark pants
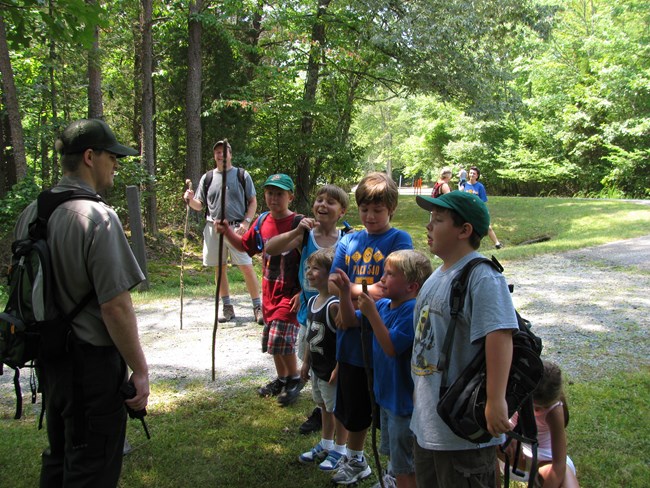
x,y
86,418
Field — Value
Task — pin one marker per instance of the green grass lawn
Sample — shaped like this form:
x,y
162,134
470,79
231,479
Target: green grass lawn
x,y
228,437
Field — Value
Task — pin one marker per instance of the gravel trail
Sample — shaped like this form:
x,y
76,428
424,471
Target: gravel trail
x,y
589,306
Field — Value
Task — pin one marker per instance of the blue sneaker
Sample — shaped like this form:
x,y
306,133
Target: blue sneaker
x,y
332,462
315,455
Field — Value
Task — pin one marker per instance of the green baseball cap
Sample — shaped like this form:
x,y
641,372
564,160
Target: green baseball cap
x,y
469,206
91,134
281,181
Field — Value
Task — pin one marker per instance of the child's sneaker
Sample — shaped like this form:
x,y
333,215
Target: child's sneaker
x,y
314,422
352,471
271,389
389,482
333,461
291,391
315,455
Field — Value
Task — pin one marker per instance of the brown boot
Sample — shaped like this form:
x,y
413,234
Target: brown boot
x,y
227,313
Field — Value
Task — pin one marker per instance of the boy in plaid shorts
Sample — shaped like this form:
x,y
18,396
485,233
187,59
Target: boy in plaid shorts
x,y
280,283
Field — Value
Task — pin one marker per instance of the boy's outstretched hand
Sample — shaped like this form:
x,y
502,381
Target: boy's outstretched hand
x,y
341,281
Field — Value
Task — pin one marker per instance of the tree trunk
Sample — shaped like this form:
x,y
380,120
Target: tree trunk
x,y
148,153
13,109
193,95
53,105
303,174
95,102
6,163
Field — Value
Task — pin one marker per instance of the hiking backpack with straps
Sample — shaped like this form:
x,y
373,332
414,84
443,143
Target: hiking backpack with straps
x,y
437,190
462,404
33,326
207,181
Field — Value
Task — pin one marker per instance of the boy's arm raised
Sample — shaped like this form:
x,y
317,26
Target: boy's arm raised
x,y
340,286
288,240
498,357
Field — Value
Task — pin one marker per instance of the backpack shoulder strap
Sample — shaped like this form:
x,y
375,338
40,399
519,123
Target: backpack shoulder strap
x,y
48,201
259,243
241,176
296,220
207,181
456,303
459,285
347,228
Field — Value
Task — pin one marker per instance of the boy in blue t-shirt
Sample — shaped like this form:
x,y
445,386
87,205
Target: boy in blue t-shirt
x,y
361,257
391,319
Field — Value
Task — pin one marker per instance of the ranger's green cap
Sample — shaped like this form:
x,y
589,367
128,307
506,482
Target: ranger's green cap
x,y
91,134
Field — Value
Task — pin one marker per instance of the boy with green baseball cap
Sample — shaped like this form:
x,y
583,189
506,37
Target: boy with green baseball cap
x,y
458,221
279,285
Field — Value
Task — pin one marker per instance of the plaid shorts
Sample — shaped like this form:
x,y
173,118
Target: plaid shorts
x,y
280,337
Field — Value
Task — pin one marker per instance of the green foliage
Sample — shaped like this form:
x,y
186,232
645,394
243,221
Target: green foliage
x,y
30,21
22,194
129,173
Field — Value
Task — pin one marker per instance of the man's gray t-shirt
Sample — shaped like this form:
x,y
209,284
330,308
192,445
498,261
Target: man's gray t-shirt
x,y
488,307
236,197
89,252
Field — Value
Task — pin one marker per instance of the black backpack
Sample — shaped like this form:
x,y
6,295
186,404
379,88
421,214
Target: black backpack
x,y
32,326
462,404
207,181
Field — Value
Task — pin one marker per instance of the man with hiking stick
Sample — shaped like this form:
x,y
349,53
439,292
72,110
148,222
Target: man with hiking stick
x,y
240,208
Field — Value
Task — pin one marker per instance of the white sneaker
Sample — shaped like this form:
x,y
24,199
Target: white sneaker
x,y
389,482
352,472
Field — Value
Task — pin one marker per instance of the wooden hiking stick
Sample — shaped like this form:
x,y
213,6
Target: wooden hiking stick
x,y
365,327
222,216
188,185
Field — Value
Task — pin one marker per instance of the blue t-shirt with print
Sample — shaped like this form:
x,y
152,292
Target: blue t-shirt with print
x,y
362,256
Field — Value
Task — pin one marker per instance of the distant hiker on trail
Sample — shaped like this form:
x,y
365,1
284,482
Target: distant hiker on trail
x,y
462,179
442,185
241,205
475,187
84,409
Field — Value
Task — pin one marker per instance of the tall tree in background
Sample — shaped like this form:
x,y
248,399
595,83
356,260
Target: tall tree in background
x,y
95,99
316,44
13,110
148,140
193,93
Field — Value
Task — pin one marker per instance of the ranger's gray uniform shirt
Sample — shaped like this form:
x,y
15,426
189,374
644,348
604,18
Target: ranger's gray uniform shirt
x,y
89,251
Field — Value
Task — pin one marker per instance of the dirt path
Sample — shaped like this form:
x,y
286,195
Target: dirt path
x,y
588,306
